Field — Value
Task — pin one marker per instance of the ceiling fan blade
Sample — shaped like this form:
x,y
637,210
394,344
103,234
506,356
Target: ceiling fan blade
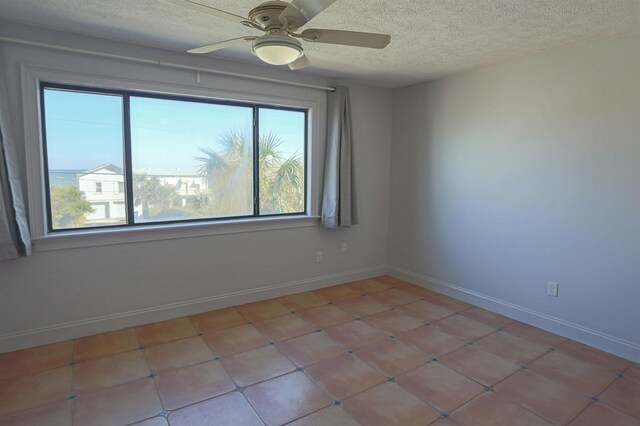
x,y
301,62
207,9
221,45
347,38
299,12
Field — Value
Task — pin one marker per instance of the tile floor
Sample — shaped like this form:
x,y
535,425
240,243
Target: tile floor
x,y
372,352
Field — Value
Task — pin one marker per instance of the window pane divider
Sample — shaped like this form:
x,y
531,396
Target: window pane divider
x,y
256,161
128,171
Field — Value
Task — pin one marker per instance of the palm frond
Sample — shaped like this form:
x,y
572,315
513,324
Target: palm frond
x,y
211,162
268,146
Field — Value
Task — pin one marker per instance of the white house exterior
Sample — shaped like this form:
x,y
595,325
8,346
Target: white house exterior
x,y
185,182
104,188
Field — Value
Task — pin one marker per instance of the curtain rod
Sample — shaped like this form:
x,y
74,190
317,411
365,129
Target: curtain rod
x,y
166,64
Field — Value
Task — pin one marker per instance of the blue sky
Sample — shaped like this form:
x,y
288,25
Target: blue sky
x,y
86,130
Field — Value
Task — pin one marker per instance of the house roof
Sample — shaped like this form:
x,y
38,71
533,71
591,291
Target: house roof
x,y
110,167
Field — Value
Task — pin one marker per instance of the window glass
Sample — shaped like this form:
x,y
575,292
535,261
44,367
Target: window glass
x,y
115,158
281,158
84,152
190,160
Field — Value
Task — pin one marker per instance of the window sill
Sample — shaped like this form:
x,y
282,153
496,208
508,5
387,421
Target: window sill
x,y
95,238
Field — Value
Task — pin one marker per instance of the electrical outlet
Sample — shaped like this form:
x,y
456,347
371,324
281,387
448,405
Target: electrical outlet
x,y
343,247
319,256
552,289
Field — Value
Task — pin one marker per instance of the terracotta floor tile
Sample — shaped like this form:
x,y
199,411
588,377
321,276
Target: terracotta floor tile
x,y
355,334
390,405
425,311
112,387
463,327
105,344
392,357
444,422
344,376
55,414
487,317
21,393
598,414
392,281
118,405
325,316
479,365
581,376
594,356
110,370
310,349
187,385
155,421
225,410
265,309
300,301
332,416
235,340
421,292
33,360
490,409
361,306
210,322
257,365
284,327
450,303
534,334
393,322
550,400
165,331
286,398
623,395
633,373
339,292
368,286
178,354
511,347
394,297
431,341
440,386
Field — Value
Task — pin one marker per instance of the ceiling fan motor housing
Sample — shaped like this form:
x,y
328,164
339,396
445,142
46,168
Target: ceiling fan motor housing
x,y
267,14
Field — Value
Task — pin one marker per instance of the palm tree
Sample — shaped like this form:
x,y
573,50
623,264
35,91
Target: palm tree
x,y
230,175
149,191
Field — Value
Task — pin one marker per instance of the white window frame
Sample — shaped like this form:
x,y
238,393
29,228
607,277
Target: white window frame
x,y
32,76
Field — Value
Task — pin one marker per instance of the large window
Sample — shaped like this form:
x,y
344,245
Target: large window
x,y
118,158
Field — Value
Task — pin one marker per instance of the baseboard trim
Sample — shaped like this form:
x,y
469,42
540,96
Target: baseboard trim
x,y
74,329
597,339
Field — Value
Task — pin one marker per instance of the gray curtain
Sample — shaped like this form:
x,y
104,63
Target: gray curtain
x,y
338,199
14,229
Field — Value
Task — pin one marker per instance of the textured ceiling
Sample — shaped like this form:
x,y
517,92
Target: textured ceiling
x,y
430,38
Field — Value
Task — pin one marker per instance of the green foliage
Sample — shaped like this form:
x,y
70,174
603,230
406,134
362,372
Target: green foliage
x,y
68,207
230,175
281,178
150,192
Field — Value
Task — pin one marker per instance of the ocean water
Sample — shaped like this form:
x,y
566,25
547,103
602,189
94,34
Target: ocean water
x,y
64,177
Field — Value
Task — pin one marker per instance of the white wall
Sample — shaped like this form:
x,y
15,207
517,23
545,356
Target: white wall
x,y
505,178
59,294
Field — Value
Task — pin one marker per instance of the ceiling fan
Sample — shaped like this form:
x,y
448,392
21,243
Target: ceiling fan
x,y
279,20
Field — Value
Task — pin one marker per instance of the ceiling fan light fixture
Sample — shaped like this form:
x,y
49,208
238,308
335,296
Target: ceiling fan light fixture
x,y
277,49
